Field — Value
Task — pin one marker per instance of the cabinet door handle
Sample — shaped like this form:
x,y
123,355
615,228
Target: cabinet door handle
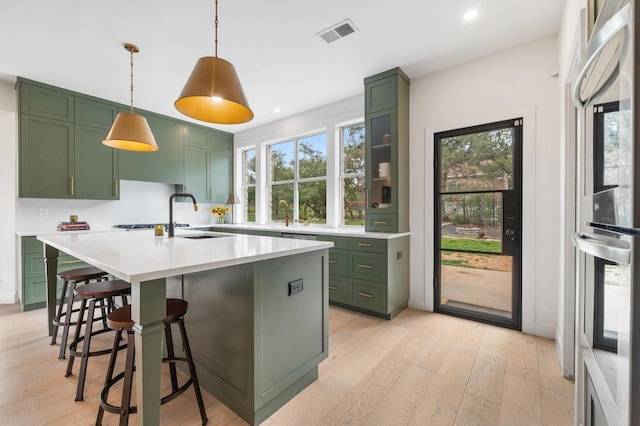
x,y
72,185
115,187
367,295
380,222
332,287
69,262
364,266
332,261
364,245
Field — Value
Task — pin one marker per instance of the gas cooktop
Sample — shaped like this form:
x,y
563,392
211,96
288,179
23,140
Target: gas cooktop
x,y
148,225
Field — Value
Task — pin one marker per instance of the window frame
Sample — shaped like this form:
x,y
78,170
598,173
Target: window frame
x,y
297,180
246,185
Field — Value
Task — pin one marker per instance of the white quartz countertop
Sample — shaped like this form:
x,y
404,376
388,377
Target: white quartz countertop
x,y
141,256
308,230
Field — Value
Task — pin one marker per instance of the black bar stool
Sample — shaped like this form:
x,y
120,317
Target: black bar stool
x,y
120,320
71,278
95,293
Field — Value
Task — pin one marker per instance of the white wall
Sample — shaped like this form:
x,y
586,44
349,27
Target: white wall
x,y
7,194
505,85
140,202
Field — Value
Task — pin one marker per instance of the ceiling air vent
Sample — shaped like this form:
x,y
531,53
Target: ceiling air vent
x,y
339,30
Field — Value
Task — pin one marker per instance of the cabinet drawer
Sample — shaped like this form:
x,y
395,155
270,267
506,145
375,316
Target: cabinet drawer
x,y
382,222
368,244
338,262
339,242
338,289
369,266
368,295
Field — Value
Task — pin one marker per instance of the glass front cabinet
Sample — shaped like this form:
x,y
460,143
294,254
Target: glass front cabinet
x,y
387,151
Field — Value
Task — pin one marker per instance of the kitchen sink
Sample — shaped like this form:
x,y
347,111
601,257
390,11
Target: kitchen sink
x,y
199,236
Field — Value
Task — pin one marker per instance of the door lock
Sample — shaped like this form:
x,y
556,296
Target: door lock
x,y
510,232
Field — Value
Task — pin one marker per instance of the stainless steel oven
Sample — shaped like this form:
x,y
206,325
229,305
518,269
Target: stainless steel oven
x,y
606,92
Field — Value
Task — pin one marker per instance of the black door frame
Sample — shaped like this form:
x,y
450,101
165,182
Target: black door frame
x,y
515,321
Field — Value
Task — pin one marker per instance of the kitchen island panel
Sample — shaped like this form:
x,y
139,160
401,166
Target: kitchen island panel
x,y
255,345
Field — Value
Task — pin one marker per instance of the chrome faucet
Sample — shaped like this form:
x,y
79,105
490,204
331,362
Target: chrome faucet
x,y
195,209
286,211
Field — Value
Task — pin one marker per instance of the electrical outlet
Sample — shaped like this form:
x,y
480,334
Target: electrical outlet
x,y
44,213
295,287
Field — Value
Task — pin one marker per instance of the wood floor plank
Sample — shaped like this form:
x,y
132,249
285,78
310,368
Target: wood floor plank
x,y
520,403
477,411
400,403
487,377
420,368
522,358
441,402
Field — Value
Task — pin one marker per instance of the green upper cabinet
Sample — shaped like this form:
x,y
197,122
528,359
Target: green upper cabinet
x,y
165,165
94,113
61,154
196,173
208,164
47,155
60,159
96,165
45,101
221,175
387,151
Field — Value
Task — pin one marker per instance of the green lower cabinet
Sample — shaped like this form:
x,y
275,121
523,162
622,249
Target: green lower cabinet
x,y
368,295
339,261
34,288
338,288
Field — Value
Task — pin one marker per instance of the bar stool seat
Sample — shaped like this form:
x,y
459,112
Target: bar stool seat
x,y
95,293
62,317
120,320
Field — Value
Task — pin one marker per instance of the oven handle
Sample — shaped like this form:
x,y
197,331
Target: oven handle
x,y
608,248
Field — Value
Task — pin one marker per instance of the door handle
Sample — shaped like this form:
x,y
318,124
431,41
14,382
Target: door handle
x,y
510,232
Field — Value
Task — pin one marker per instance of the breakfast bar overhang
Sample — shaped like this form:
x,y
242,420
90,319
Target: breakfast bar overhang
x,y
258,309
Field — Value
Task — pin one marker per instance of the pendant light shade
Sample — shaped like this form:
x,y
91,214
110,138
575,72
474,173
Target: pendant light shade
x,y
129,130
213,92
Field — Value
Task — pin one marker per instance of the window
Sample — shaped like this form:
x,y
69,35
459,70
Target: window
x,y
297,179
249,184
352,174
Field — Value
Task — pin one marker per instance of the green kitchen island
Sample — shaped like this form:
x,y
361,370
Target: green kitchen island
x,y
258,309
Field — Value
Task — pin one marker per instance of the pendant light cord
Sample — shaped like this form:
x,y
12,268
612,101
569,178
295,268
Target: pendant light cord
x,y
216,22
131,87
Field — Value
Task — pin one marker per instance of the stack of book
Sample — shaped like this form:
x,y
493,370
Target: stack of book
x,y
73,226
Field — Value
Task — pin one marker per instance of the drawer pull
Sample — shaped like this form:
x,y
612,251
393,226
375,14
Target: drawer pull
x,y
69,262
367,295
331,287
364,266
380,222
364,245
332,261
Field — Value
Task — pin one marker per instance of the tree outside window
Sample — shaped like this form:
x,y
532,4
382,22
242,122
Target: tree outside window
x,y
352,174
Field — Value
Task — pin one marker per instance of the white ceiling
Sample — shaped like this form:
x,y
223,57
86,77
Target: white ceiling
x,y
77,44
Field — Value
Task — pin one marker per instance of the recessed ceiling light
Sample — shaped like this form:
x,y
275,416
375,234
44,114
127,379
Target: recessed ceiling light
x,y
276,110
470,15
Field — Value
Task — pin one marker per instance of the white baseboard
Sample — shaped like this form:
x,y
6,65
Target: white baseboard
x,y
544,330
9,297
418,304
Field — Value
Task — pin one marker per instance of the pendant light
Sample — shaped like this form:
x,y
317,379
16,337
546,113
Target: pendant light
x,y
213,92
130,131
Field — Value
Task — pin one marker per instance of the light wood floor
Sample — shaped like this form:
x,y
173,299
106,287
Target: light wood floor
x,y
419,369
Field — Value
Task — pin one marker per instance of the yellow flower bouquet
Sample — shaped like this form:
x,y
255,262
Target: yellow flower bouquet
x,y
220,211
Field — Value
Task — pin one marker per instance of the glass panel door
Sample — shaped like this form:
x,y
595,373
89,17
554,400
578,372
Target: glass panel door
x,y
478,222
